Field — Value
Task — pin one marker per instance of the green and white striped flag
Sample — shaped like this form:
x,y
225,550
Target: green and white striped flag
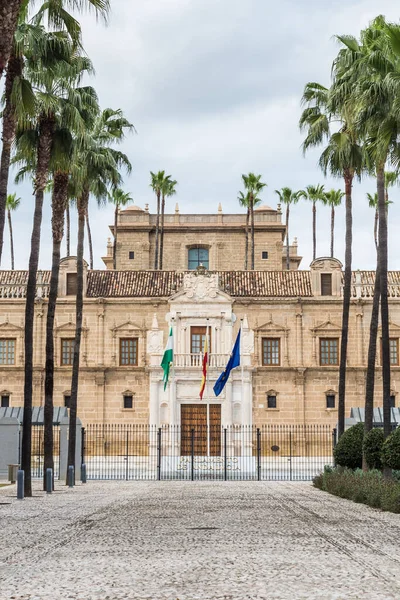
x,y
168,358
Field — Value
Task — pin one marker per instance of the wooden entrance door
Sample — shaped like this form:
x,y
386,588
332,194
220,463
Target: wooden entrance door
x,y
194,417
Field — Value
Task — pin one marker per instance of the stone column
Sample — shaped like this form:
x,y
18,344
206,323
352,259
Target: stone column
x,y
299,339
154,400
100,336
300,396
360,337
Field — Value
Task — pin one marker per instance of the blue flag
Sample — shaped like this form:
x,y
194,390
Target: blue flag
x,y
234,361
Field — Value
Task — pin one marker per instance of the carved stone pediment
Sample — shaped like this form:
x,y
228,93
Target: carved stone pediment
x,y
326,264
271,327
394,328
7,327
200,287
326,328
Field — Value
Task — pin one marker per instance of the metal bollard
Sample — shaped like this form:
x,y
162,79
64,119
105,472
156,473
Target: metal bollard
x,y
20,484
83,473
49,480
71,476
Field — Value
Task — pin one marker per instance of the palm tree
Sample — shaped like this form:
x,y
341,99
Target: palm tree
x,y
245,202
56,99
68,228
31,39
89,234
314,193
373,73
333,198
157,182
12,204
288,197
253,185
119,198
168,190
343,157
9,10
373,203
373,328
96,166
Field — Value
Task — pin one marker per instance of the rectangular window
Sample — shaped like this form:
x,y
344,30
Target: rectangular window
x,y
330,401
197,257
7,352
394,351
271,401
271,352
264,255
128,401
5,401
71,284
131,255
67,401
328,351
67,352
326,284
392,401
198,339
128,352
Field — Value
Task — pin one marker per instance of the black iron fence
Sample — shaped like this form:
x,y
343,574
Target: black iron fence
x,y
269,452
38,450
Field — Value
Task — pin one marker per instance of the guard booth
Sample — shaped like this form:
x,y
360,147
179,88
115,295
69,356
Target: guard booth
x,y
11,419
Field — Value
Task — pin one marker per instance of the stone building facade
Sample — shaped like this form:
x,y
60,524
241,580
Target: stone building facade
x,y
290,320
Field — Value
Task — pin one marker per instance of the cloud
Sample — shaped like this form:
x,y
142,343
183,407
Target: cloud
x,y
214,90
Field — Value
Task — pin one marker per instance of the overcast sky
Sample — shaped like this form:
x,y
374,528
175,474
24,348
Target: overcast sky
x,y
213,88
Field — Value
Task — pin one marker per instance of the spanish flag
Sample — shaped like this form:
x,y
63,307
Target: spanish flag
x,y
204,368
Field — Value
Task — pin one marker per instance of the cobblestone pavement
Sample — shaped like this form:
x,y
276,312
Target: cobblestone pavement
x,y
192,541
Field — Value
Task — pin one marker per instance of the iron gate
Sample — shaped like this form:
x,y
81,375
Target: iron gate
x,y
147,452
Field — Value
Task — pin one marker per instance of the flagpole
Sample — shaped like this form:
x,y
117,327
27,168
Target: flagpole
x,y
208,390
172,384
241,364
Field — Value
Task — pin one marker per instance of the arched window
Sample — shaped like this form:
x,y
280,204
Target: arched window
x,y
198,256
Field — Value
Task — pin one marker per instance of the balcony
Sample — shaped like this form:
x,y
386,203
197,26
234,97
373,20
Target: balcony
x,y
196,360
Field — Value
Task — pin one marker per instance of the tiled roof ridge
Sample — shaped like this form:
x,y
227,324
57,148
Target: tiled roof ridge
x,y
238,284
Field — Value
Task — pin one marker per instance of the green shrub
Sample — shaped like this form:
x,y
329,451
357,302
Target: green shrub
x,y
372,448
348,450
369,487
391,450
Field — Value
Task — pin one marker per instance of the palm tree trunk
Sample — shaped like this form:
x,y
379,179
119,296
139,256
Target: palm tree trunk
x,y
46,127
115,237
246,243
9,10
252,230
68,227
314,229
89,238
9,124
157,231
83,202
383,267
59,202
370,379
332,230
11,239
376,229
346,303
162,232
287,239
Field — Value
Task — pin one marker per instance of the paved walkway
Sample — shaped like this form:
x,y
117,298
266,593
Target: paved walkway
x,y
192,541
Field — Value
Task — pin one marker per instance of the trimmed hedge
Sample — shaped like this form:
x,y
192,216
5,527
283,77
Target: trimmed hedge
x,y
372,447
391,450
368,487
348,450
